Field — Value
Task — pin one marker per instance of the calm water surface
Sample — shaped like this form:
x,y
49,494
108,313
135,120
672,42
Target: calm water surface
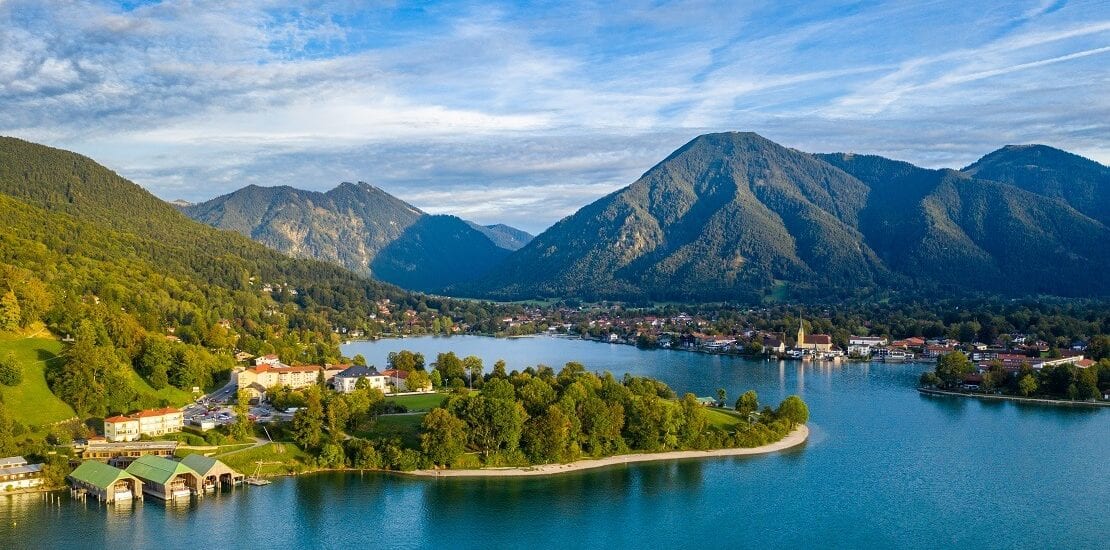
x,y
884,467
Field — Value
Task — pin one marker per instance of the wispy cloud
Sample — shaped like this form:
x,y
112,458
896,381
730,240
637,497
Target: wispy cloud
x,y
521,114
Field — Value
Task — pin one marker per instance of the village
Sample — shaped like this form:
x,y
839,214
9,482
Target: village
x,y
137,455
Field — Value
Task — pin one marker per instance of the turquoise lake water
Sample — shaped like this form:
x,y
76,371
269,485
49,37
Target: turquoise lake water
x,y
884,467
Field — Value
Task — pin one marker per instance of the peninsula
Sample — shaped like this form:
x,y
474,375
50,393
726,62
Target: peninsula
x,y
796,437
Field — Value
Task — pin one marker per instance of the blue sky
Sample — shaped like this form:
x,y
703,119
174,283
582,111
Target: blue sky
x,y
523,112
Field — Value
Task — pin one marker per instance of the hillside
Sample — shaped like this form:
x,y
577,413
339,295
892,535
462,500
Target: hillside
x,y
1082,183
143,287
735,216
363,228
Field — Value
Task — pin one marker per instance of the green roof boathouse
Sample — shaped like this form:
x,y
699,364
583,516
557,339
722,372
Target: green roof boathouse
x,y
106,483
164,478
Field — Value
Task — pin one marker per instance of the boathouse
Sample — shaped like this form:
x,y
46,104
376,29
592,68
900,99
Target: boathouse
x,y
104,482
164,478
214,475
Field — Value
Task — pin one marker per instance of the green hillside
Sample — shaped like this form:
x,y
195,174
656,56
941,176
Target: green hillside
x,y
146,290
31,402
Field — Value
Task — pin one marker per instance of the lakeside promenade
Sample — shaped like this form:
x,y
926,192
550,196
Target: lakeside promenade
x,y
1019,399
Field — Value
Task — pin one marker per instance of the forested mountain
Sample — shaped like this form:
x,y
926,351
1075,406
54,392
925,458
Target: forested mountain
x,y
140,285
734,216
1082,183
364,229
504,236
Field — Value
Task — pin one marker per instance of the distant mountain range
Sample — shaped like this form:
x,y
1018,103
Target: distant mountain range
x,y
734,216
365,229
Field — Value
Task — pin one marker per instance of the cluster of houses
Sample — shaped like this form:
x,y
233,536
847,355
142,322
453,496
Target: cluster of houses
x,y
268,372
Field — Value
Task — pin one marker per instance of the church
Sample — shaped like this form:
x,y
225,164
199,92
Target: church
x,y
814,342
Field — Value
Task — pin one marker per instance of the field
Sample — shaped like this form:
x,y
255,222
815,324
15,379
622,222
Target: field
x,y
31,402
278,458
404,426
722,418
420,402
174,396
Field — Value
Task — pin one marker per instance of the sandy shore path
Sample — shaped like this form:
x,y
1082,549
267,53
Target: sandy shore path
x,y
794,438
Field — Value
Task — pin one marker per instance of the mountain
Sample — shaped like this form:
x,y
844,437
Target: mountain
x,y
1082,183
734,216
504,236
364,229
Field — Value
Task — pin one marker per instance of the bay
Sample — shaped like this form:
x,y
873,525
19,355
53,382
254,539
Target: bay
x,y
884,467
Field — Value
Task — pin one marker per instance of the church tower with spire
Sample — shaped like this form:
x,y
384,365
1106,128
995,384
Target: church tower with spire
x,y
801,333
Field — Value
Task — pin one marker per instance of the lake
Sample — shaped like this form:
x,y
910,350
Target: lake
x,y
885,466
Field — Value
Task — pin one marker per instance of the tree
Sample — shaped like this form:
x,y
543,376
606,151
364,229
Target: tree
x,y
405,360
418,380
601,426
308,421
450,366
11,372
794,410
338,413
436,379
747,403
929,379
1099,347
499,369
547,436
1087,383
10,314
241,429
444,436
1027,385
951,367
722,396
359,360
473,366
694,421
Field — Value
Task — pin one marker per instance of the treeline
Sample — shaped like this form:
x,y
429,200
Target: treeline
x,y
536,416
1058,322
1065,381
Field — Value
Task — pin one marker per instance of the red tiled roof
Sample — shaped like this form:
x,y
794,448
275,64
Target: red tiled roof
x,y
155,412
818,339
117,418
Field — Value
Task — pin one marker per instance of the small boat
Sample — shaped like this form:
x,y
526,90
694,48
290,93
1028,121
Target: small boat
x,y
257,480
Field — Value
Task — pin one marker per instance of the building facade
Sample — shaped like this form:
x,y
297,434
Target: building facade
x,y
151,422
347,380
17,475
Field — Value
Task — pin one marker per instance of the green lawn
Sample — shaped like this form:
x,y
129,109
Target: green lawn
x,y
722,418
182,453
175,396
31,402
278,458
404,426
420,402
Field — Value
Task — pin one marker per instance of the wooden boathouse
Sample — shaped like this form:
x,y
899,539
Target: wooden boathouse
x,y
164,478
215,475
105,483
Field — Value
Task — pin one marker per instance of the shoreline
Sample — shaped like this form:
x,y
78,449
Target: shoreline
x,y
796,437
1017,398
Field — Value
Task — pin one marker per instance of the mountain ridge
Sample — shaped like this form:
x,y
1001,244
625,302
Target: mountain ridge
x,y
363,228
734,216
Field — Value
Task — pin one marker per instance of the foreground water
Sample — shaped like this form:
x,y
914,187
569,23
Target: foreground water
x,y
884,467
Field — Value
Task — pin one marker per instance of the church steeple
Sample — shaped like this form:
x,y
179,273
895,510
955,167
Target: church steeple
x,y
801,333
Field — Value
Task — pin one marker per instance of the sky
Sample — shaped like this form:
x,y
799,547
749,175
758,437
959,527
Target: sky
x,y
521,113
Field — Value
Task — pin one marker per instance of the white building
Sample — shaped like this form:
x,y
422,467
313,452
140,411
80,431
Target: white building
x,y
17,474
345,381
152,422
864,345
